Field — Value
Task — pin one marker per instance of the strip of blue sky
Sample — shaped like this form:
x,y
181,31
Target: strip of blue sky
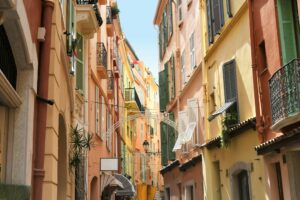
x,y
137,24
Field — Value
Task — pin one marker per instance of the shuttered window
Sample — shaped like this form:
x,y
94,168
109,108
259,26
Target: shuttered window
x,y
164,144
230,92
172,65
192,52
97,113
171,139
230,88
163,89
165,29
79,63
288,28
170,21
228,6
215,17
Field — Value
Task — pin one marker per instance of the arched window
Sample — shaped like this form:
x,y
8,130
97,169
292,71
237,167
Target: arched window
x,y
240,181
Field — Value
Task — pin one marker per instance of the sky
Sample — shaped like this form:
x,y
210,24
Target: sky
x,y
137,24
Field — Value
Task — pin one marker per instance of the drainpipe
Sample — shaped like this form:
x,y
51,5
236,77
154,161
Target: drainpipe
x,y
259,124
42,102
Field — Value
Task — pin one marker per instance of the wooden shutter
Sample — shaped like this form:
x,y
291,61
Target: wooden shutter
x,y
287,30
97,110
173,77
79,63
163,89
218,16
171,18
165,29
160,42
209,22
171,139
230,85
164,143
228,6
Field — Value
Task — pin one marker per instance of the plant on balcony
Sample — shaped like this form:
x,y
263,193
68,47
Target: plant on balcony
x,y
114,11
230,119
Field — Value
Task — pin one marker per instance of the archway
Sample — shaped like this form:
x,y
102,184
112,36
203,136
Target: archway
x,y
94,189
62,160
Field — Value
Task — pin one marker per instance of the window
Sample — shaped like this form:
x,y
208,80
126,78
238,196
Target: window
x,y
217,180
212,102
263,57
168,194
230,92
215,18
108,126
179,4
288,29
192,52
165,28
189,192
103,113
183,75
97,113
279,181
79,63
243,184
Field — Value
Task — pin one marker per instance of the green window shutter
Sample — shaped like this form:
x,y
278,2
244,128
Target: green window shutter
x,y
287,30
79,63
163,89
171,139
230,85
164,144
171,18
218,15
173,77
165,29
209,22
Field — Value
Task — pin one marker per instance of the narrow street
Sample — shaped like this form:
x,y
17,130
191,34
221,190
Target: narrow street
x,y
149,100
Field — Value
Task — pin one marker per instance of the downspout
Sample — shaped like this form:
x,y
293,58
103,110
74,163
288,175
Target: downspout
x,y
42,102
259,124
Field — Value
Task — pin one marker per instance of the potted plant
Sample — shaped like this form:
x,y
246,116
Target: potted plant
x,y
114,11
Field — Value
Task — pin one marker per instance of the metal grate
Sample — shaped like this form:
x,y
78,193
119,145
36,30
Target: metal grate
x,y
7,62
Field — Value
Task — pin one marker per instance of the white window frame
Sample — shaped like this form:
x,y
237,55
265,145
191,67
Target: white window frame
x,y
186,187
192,52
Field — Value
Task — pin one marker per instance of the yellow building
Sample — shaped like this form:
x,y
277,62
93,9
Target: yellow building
x,y
231,170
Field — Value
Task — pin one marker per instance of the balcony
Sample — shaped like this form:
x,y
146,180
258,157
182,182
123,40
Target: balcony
x,y
101,60
88,17
132,101
285,95
109,22
110,84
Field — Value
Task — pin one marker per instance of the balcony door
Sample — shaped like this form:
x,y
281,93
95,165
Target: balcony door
x,y
3,142
288,21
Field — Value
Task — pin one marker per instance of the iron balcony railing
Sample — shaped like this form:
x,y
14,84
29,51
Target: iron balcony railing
x,y
95,8
131,95
285,91
110,80
108,15
101,55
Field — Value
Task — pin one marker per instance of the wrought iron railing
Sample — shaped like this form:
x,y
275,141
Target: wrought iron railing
x,y
108,15
285,91
101,55
131,95
95,8
110,80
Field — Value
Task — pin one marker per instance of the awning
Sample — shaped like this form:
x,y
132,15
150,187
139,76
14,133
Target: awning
x,y
190,131
109,180
221,110
128,189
